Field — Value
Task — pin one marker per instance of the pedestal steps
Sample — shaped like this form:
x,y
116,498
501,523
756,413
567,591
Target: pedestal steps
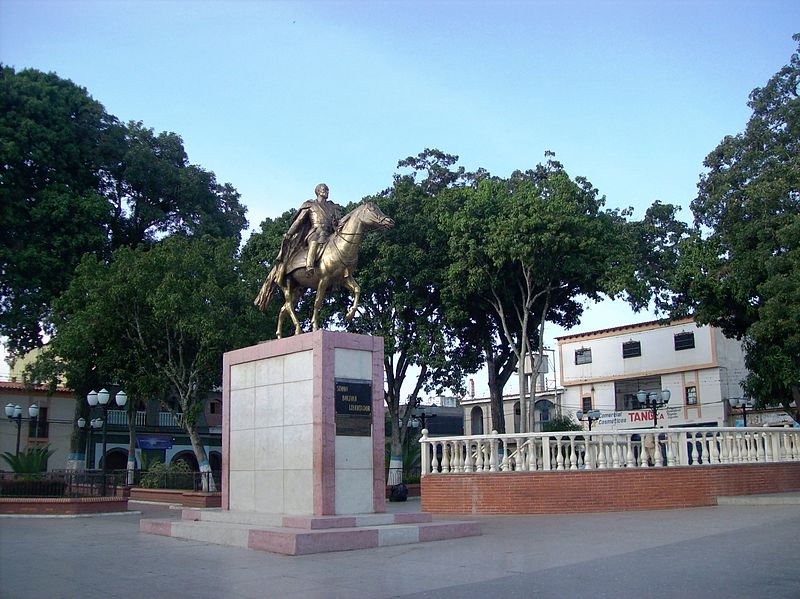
x,y
302,535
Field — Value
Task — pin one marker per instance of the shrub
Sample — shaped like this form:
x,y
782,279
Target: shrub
x,y
31,461
177,475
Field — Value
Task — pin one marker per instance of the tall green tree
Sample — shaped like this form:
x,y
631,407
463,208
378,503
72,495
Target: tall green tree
x,y
532,248
401,273
51,212
158,320
739,271
75,181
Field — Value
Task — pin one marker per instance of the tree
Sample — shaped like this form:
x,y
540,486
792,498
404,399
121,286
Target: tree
x,y
51,213
529,249
739,270
157,320
401,274
75,181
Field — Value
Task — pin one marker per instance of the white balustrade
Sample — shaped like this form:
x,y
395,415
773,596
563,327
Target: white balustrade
x,y
589,450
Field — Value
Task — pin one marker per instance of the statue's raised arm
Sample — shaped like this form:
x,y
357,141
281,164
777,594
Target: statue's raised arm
x,y
318,251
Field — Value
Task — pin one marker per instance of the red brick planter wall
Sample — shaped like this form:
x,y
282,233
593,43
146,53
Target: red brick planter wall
x,y
185,498
50,506
602,490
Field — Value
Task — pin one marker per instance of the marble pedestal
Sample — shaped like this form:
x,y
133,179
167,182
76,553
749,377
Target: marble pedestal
x,y
303,453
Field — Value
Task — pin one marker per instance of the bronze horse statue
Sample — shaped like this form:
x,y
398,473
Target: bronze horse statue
x,y
336,264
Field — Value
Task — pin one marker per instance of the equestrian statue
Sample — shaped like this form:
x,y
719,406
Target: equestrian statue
x,y
319,251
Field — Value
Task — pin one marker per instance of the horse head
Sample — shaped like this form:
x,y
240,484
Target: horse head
x,y
374,216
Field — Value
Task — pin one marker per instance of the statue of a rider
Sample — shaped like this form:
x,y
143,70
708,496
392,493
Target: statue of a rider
x,y
314,223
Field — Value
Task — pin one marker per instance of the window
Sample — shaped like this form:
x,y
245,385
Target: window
x,y
691,396
586,404
213,407
625,391
631,349
684,341
583,356
38,427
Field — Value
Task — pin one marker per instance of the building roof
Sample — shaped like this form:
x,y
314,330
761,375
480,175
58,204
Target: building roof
x,y
650,324
15,386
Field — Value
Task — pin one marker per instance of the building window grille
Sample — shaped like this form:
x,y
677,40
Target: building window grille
x,y
631,349
38,428
586,404
691,396
583,356
684,341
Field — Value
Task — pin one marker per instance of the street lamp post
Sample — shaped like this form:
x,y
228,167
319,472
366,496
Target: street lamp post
x,y
101,398
93,425
14,414
591,416
744,403
653,401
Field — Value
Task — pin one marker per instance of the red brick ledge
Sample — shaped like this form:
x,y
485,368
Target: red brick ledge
x,y
177,496
51,506
613,490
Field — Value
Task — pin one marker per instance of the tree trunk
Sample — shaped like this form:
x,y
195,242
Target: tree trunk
x,y
202,459
495,391
79,436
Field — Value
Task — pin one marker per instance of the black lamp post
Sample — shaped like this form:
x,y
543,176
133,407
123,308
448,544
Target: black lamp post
x,y
742,402
94,424
591,416
101,398
14,414
653,401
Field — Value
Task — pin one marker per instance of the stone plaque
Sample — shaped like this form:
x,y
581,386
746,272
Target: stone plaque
x,y
353,408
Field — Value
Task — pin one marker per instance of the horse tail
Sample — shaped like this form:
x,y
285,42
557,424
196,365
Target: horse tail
x,y
268,288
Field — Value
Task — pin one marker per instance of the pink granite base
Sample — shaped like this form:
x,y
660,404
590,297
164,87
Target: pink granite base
x,y
303,535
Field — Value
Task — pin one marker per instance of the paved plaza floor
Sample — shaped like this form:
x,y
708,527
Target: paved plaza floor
x,y
727,551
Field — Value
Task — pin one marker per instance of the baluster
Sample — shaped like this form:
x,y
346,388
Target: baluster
x,y
534,460
723,445
658,458
768,456
601,452
615,451
670,451
522,455
468,462
493,448
715,445
752,454
479,455
642,452
630,455
573,454
504,462
559,454
445,457
435,459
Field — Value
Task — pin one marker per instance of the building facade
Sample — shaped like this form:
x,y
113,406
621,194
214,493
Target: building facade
x,y
605,370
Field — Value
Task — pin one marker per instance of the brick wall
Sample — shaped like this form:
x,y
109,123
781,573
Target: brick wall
x,y
57,505
602,490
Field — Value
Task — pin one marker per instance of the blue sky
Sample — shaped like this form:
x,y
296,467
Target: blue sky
x,y
275,97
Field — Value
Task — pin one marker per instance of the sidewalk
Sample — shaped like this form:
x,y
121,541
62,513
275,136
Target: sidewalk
x,y
726,551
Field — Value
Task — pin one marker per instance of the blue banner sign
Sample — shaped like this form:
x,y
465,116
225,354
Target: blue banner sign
x,y
147,441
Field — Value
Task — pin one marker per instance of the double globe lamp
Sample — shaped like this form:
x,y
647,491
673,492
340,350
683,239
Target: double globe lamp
x,y
14,414
101,398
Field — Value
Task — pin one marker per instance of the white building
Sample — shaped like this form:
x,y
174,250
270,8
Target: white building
x,y
603,370
547,403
